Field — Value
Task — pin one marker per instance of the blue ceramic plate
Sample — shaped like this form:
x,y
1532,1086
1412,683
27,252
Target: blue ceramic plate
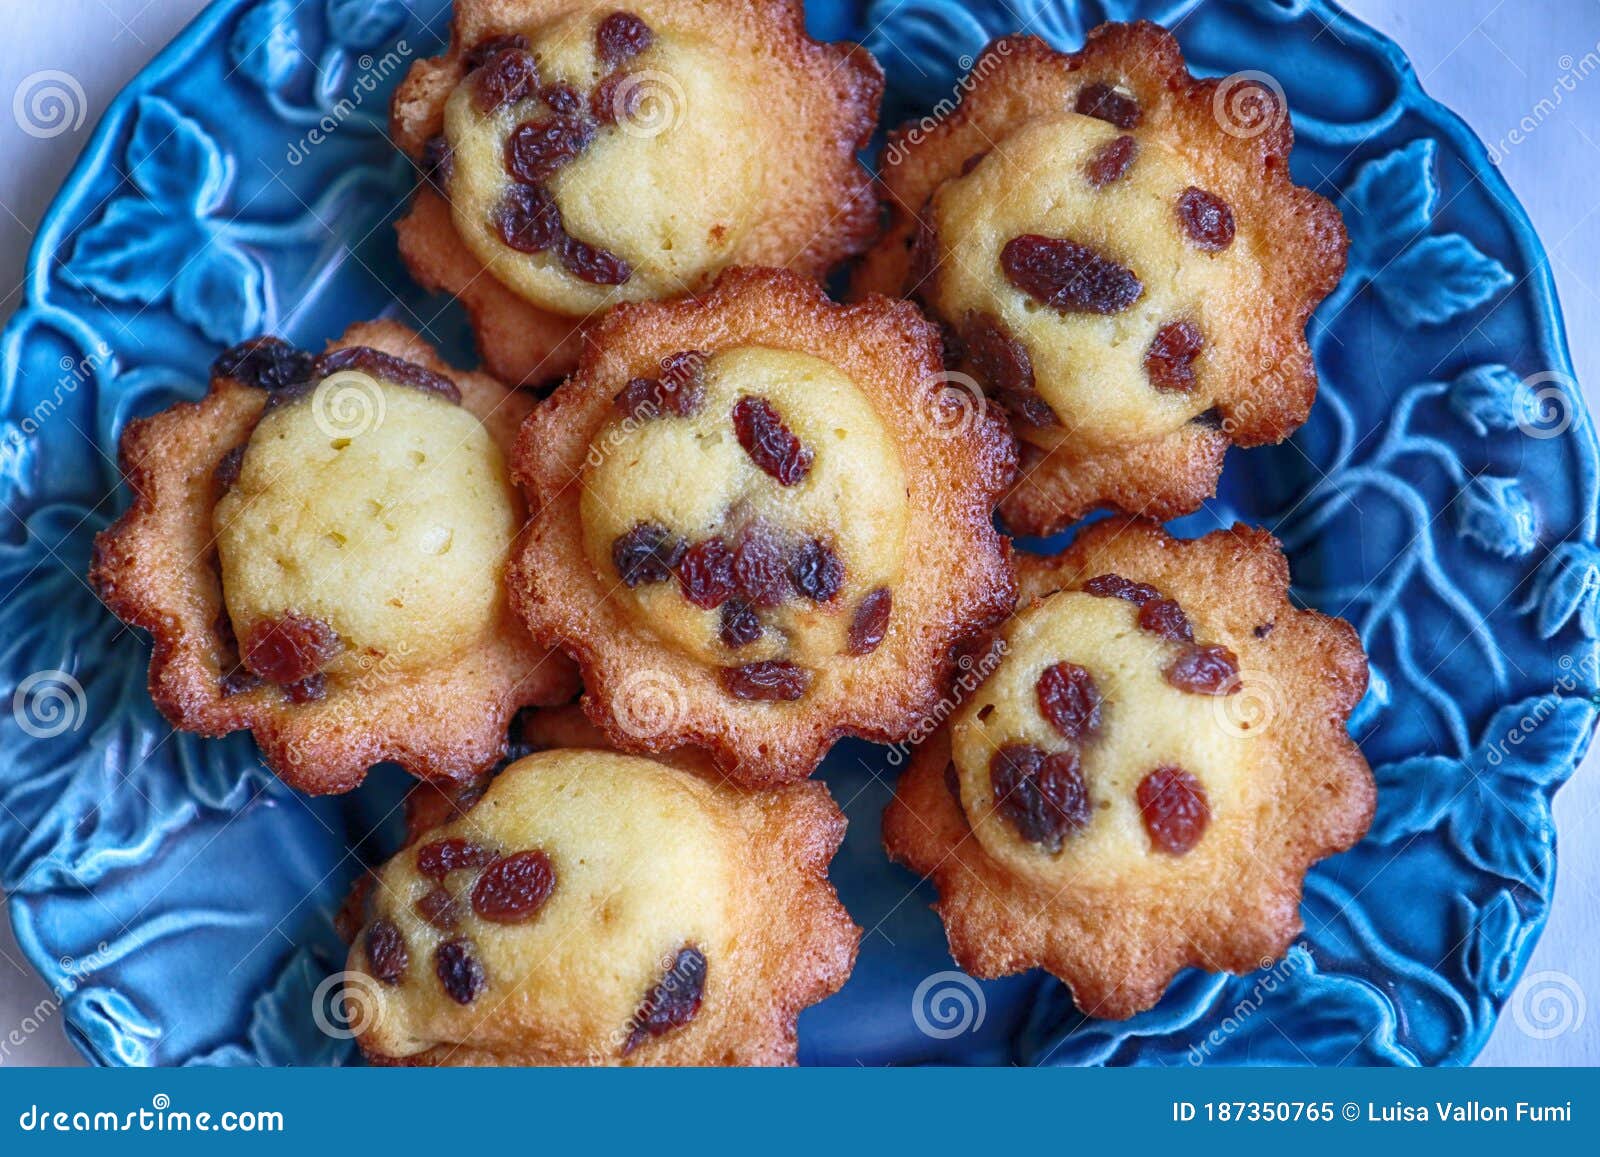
x,y
1442,497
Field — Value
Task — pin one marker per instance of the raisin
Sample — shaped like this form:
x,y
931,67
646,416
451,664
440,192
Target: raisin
x,y
227,469
705,574
952,784
816,571
562,98
1069,699
683,376
1042,796
387,367
760,571
480,53
1104,102
769,442
1262,630
1206,218
973,161
640,399
1165,617
527,219
536,149
1004,365
264,363
1208,419
616,99
458,970
1114,586
439,908
1174,808
506,77
1169,362
1205,669
592,264
238,682
387,952
311,689
740,625
772,680
622,36
646,554
1067,276
871,622
513,889
290,649
672,1002
437,163
1110,161
438,859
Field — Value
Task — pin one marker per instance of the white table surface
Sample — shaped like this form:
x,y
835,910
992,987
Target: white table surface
x,y
1490,60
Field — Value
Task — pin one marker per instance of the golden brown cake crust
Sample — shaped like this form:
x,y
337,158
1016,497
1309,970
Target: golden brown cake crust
x,y
796,944
1019,78
1118,949
956,577
818,212
156,568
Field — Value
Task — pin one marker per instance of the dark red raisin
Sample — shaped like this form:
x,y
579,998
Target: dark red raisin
x,y
740,625
952,784
1114,586
616,98
769,442
1262,630
387,952
622,36
1206,218
705,574
506,77
770,680
458,970
513,888
674,1000
871,621
289,649
816,571
436,164
1042,796
1104,102
239,681
438,859
311,689
1069,699
973,161
1169,362
388,368
1165,617
536,149
641,398
562,98
646,554
760,571
227,469
1174,808
439,908
592,264
1110,161
683,377
1002,362
1205,669
1067,276
480,53
264,363
527,219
